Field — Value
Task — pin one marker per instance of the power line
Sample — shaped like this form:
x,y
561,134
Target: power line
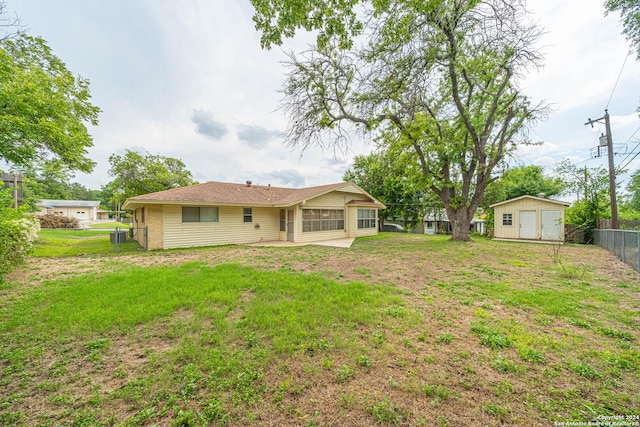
x,y
618,79
637,145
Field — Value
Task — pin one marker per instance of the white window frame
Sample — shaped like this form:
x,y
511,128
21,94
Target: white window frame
x,y
366,218
202,215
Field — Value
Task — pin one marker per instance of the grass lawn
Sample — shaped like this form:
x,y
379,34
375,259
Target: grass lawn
x,y
112,224
66,243
400,329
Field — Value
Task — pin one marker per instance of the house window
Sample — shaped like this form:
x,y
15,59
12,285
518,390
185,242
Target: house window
x,y
247,215
283,220
198,214
322,219
142,214
507,219
366,218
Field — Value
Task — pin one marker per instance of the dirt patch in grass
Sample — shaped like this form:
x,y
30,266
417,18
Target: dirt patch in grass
x,y
489,333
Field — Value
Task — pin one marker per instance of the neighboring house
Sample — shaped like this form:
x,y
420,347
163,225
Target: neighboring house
x,y
439,224
529,218
80,209
218,213
102,214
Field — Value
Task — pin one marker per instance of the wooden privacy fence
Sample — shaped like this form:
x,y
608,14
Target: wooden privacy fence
x,y
624,224
576,234
13,181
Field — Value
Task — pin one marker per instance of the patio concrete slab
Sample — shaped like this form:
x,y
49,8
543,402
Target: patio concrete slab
x,y
336,243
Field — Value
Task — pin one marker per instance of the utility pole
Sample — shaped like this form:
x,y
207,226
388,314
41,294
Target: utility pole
x,y
612,172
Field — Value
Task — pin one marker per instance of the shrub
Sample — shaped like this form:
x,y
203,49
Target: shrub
x,y
18,232
58,221
386,412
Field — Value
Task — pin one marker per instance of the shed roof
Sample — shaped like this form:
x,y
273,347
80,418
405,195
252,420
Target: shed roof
x,y
541,199
224,193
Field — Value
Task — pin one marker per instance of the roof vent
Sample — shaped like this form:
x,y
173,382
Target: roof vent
x,y
248,183
541,195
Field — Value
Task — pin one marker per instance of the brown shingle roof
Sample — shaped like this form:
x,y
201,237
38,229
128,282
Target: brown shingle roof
x,y
224,193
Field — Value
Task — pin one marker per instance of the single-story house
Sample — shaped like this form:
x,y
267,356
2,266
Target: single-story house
x,y
218,213
439,223
529,218
80,209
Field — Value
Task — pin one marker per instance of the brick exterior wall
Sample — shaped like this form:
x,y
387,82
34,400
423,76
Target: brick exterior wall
x,y
153,218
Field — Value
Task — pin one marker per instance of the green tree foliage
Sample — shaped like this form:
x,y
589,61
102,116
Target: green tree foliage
x,y
333,18
633,187
591,186
18,233
110,197
630,13
396,182
44,109
135,174
51,180
434,80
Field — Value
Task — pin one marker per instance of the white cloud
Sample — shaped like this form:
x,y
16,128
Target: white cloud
x,y
282,178
256,136
206,125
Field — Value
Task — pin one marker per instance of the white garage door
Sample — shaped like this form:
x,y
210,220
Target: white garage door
x,y
551,227
527,224
80,213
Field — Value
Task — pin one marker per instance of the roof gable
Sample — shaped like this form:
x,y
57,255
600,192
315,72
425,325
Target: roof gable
x,y
540,199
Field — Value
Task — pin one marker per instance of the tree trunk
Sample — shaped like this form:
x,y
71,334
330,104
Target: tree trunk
x,y
460,223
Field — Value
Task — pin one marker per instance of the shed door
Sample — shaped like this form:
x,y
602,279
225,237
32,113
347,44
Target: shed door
x,y
527,224
551,225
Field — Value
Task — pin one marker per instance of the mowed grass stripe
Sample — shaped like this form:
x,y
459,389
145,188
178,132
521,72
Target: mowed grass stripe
x,y
293,304
68,243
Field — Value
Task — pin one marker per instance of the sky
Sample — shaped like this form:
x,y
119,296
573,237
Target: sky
x,y
188,79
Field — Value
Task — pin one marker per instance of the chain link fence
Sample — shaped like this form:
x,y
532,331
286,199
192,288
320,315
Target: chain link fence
x,y
124,235
624,244
141,235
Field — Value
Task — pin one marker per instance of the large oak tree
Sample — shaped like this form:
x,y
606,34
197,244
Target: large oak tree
x,y
44,108
436,80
